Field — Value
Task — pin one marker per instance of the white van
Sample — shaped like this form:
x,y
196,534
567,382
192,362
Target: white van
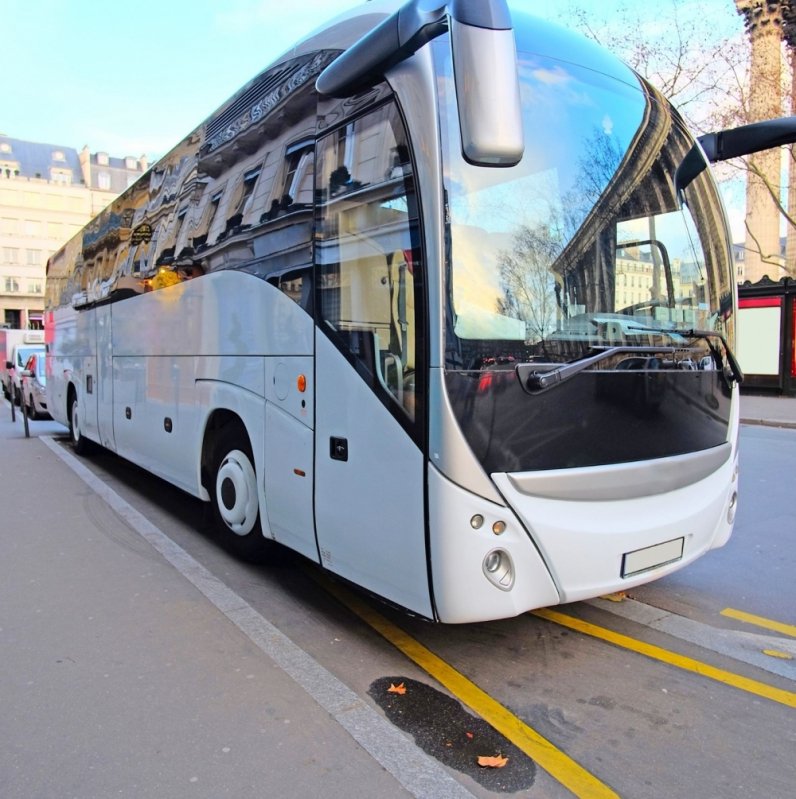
x,y
16,346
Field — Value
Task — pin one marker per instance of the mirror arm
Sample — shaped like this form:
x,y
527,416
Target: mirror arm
x,y
733,143
748,139
401,35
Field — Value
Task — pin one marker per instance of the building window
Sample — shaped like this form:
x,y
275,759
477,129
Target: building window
x,y
55,230
11,285
130,163
8,227
34,287
10,255
32,227
31,199
62,176
34,257
5,147
58,156
104,181
102,159
130,180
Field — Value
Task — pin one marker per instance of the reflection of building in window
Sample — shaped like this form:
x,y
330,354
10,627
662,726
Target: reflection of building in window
x,y
180,221
34,287
10,255
11,284
34,257
298,183
368,256
249,182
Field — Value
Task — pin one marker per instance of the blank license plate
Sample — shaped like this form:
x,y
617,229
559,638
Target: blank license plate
x,y
643,560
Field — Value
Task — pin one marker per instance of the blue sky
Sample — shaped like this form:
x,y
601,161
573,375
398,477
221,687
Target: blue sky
x,y
133,78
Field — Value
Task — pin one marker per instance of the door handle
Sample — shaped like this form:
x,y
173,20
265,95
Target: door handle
x,y
338,449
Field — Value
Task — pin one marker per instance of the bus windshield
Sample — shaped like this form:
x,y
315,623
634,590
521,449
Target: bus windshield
x,y
584,243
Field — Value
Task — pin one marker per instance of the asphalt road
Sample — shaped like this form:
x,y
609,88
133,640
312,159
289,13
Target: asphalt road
x,y
127,674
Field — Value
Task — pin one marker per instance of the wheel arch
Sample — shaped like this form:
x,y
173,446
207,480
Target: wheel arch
x,y
224,405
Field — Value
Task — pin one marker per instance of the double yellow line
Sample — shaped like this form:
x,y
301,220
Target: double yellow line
x,y
672,658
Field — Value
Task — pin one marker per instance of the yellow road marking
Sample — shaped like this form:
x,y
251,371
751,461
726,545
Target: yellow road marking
x,y
561,767
787,629
776,654
664,655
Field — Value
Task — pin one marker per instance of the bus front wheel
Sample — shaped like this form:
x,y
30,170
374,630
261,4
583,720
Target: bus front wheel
x,y
235,498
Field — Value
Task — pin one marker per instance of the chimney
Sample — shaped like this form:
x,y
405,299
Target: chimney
x,y
85,164
144,163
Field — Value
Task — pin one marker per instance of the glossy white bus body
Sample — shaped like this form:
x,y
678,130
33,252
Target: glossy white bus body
x,y
415,510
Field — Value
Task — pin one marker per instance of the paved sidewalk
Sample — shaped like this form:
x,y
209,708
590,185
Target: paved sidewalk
x,y
771,411
119,678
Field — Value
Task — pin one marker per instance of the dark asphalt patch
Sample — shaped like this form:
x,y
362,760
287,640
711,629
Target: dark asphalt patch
x,y
440,726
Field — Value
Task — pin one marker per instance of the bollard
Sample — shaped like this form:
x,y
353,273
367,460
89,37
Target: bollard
x,y
24,407
13,411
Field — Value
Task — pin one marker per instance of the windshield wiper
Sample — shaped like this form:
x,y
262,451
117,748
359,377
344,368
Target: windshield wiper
x,y
536,381
690,332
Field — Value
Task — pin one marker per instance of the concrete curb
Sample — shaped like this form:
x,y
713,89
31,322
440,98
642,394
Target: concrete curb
x,y
770,423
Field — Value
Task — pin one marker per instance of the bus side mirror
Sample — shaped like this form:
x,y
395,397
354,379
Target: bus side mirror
x,y
484,65
487,91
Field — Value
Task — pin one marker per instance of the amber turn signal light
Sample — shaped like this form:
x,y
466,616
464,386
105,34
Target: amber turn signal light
x,y
302,383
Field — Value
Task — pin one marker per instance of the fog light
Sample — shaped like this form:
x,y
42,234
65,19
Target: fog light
x,y
498,528
476,521
499,569
492,562
733,506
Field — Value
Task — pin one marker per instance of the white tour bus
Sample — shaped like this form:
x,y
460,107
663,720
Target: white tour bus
x,y
442,300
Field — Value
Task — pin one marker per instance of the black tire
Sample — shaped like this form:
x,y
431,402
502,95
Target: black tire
x,y
234,497
32,413
80,443
17,396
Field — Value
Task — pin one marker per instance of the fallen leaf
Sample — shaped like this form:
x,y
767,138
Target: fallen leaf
x,y
617,597
396,689
448,744
469,734
493,762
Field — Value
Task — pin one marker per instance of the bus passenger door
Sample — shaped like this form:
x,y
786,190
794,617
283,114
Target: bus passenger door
x,y
87,397
370,369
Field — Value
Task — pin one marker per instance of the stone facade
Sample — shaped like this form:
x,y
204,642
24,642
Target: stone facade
x,y
764,23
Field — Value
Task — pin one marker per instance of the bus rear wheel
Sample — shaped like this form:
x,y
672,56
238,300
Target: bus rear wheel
x,y
235,498
80,443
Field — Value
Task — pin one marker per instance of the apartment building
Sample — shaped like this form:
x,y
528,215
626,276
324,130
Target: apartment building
x,y
47,194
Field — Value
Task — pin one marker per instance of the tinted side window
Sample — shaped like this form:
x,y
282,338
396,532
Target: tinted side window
x,y
370,292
